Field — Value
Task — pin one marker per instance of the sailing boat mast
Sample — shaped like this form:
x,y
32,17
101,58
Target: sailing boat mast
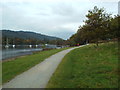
x,y
13,44
7,44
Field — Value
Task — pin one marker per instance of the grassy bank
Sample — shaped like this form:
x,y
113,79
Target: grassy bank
x,y
14,67
88,67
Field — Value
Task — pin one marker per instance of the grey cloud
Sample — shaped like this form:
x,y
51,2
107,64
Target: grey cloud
x,y
48,18
43,14
64,33
63,9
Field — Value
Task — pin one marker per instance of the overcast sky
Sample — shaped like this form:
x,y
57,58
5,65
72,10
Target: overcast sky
x,y
60,18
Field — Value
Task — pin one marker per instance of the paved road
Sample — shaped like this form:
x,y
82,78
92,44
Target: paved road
x,y
39,75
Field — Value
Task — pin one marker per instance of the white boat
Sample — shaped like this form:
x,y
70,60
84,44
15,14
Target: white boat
x,y
30,46
6,46
13,46
36,45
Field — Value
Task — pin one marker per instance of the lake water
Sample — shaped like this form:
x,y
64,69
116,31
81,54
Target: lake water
x,y
11,53
14,52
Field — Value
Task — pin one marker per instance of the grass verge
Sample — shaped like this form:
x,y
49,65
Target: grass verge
x,y
88,67
14,67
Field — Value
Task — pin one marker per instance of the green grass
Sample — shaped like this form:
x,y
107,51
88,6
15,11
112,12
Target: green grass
x,y
14,67
88,67
0,73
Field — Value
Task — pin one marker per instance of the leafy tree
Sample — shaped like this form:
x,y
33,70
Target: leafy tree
x,y
97,24
114,27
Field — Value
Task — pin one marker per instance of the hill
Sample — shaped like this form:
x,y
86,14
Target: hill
x,y
27,35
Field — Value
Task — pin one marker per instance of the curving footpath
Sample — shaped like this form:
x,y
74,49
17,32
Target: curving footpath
x,y
39,75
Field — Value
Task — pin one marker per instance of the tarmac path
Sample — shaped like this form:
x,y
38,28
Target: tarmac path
x,y
39,75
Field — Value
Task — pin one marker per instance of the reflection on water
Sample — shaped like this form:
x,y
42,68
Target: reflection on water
x,y
12,52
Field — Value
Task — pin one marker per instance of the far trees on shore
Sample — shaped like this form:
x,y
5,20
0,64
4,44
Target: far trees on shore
x,y
99,25
19,41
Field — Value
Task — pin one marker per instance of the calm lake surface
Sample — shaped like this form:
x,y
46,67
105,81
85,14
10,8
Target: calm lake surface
x,y
11,53
8,53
